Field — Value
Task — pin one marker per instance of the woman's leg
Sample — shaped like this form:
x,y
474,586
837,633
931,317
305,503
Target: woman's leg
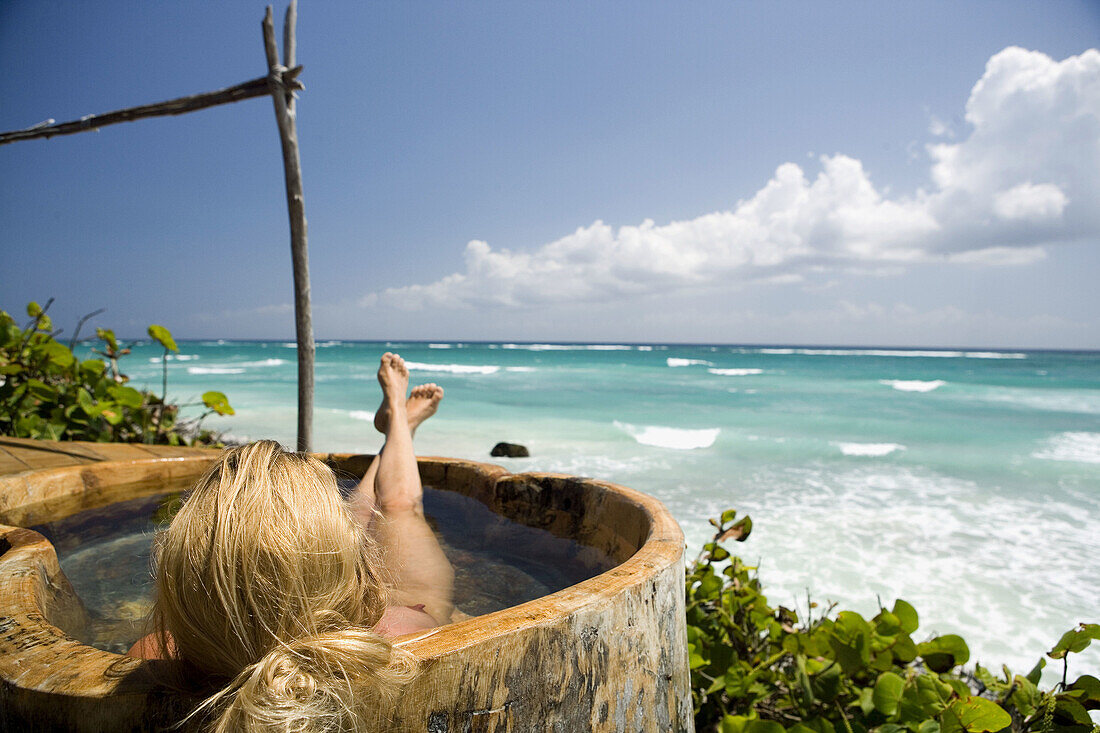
x,y
417,566
422,403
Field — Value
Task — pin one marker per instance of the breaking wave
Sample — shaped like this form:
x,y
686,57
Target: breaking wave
x,y
674,438
453,368
869,449
913,385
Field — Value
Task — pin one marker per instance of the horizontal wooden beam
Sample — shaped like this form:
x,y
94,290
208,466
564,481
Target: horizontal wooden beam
x,y
259,87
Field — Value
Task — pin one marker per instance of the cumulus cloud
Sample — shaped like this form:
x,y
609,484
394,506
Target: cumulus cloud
x,y
1027,175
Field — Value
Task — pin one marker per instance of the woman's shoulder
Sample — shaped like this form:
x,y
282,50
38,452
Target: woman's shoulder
x,y
398,620
150,647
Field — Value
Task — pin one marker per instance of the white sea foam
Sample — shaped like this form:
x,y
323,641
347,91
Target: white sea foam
x,y
1055,400
665,437
329,344
290,345
675,362
453,368
913,385
215,370
174,357
736,372
440,346
365,415
925,354
569,347
868,449
519,369
645,348
262,363
1072,446
539,347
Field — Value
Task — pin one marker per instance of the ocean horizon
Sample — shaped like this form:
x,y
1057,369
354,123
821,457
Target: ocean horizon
x,y
961,479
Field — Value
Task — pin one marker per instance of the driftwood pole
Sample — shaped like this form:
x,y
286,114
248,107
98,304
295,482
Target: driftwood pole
x,y
255,88
283,97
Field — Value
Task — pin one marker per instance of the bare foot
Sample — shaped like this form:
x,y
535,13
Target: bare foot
x,y
422,404
393,375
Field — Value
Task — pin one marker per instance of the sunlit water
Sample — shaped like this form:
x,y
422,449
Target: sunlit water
x,y
965,481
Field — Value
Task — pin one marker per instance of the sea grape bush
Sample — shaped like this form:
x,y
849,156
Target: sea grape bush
x,y
759,669
47,392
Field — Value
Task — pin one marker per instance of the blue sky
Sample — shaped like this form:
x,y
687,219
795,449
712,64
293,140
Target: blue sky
x,y
851,173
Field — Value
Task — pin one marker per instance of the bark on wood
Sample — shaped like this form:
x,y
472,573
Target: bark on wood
x,y
281,95
253,88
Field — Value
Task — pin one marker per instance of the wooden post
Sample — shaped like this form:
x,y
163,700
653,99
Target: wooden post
x,y
283,98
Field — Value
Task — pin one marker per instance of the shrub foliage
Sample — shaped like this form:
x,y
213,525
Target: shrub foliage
x,y
46,391
761,669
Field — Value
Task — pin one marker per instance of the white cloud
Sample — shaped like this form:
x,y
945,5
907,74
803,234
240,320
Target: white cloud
x,y
1028,202
1026,176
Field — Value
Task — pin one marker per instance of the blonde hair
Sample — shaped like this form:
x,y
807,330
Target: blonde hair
x,y
265,579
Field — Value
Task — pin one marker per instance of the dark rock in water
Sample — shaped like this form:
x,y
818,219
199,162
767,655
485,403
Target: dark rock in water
x,y
509,450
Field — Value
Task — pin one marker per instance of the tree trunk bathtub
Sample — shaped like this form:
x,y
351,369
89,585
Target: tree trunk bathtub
x,y
608,653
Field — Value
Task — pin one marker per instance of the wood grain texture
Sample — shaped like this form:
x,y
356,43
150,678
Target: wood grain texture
x,y
607,654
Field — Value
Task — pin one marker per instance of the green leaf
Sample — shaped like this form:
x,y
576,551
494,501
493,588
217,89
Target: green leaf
x,y
974,715
163,336
111,412
866,700
41,391
850,641
932,694
907,616
59,354
1025,697
1036,673
739,532
1089,686
1075,640
887,694
904,649
827,684
93,367
732,724
944,652
1068,712
126,396
728,516
34,310
108,337
800,728
53,430
890,728
887,623
86,403
762,726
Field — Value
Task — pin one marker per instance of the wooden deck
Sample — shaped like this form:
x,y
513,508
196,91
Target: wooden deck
x,y
25,454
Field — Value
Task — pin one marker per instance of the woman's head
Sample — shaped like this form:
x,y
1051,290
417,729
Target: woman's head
x,y
265,579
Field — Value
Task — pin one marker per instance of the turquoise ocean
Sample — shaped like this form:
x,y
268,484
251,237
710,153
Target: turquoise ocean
x,y
965,481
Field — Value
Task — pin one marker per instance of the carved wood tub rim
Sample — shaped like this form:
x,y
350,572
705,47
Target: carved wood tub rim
x,y
29,554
